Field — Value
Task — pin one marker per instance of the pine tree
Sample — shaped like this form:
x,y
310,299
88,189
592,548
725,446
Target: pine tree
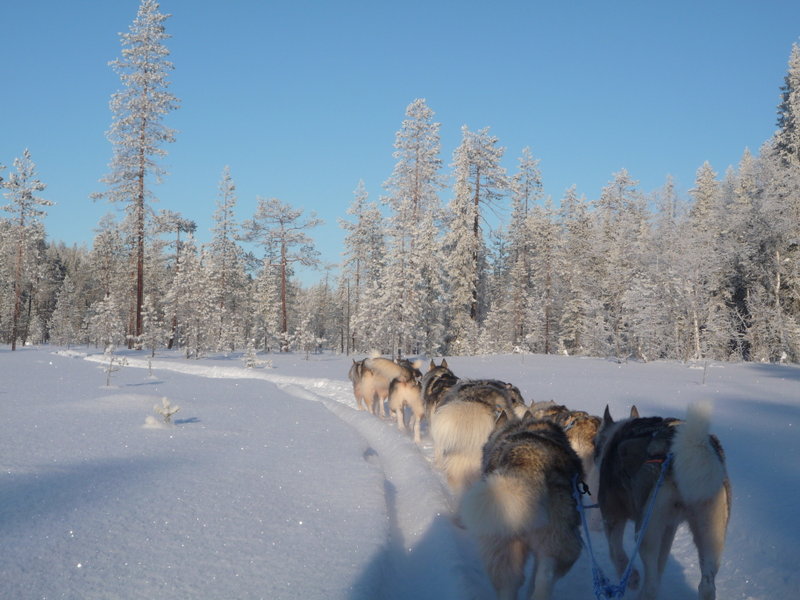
x,y
788,135
137,132
621,222
362,269
106,323
279,229
228,276
578,273
24,206
65,322
543,301
189,303
154,330
526,191
411,278
480,183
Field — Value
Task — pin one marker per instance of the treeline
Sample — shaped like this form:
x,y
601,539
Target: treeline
x,y
629,274
715,274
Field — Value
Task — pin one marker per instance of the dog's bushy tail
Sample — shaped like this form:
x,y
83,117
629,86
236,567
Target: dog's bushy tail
x,y
504,506
698,468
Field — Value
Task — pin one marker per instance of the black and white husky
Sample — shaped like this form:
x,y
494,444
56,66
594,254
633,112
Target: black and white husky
x,y
629,457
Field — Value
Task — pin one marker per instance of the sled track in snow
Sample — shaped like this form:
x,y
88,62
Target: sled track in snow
x,y
418,504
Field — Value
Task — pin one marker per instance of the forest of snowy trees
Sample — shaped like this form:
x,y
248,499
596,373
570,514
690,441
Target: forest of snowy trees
x,y
460,257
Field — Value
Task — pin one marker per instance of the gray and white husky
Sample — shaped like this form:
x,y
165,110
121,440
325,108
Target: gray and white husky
x,y
369,389
435,383
462,422
580,427
629,458
372,377
523,504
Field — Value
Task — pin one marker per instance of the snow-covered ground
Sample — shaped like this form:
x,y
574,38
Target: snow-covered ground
x,y
271,485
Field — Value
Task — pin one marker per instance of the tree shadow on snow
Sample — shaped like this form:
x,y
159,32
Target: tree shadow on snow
x,y
52,491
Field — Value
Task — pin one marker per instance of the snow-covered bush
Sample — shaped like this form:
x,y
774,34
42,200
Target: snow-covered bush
x,y
166,410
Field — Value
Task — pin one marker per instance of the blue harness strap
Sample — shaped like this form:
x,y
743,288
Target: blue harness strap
x,y
603,588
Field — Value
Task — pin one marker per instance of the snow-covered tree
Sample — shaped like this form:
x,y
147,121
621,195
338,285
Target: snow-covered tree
x,y
281,231
412,282
25,208
364,257
621,222
65,323
480,183
188,302
526,191
578,275
228,277
106,324
545,264
787,137
138,132
154,331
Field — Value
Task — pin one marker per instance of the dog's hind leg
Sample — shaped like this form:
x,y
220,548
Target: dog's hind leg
x,y
615,530
708,523
417,424
505,562
544,577
667,538
400,413
655,546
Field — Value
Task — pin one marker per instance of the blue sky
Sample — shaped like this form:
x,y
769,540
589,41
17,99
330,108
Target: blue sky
x,y
303,99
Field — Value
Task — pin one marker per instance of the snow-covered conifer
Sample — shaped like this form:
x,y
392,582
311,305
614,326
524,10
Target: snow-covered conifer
x,y
480,183
138,133
25,207
412,278
281,231
228,277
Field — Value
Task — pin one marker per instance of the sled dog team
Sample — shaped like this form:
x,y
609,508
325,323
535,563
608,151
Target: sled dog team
x,y
515,469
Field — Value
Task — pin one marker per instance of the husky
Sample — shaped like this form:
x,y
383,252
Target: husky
x,y
463,421
580,427
369,388
523,505
629,457
435,383
407,393
372,377
401,369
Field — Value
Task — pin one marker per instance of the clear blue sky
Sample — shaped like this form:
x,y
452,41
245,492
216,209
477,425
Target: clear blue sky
x,y
302,99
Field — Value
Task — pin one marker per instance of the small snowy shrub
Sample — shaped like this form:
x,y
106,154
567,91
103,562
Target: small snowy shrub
x,y
115,363
166,410
250,359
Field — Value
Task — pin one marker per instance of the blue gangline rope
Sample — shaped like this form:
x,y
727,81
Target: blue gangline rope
x,y
603,588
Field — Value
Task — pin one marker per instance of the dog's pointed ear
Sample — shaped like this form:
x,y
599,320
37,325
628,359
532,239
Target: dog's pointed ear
x,y
444,363
607,420
432,365
528,414
634,412
501,419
